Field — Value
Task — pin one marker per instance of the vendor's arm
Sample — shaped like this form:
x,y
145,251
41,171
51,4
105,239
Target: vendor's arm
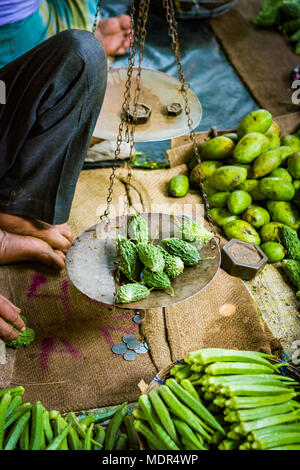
x,y
9,313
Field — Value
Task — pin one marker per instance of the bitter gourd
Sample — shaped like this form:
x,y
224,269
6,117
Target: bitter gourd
x,y
159,281
188,253
138,229
174,266
132,293
25,338
151,256
128,259
193,232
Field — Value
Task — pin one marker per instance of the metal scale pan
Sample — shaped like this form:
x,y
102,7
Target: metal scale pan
x,y
90,263
158,90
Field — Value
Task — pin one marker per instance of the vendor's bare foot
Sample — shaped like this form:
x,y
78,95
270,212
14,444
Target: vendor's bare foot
x,y
113,33
57,236
15,248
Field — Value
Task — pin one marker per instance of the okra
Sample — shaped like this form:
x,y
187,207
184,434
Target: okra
x,y
181,411
268,442
257,379
188,386
13,391
163,415
211,355
234,435
71,418
183,373
288,447
16,431
47,427
233,368
114,426
4,404
253,390
16,401
74,442
138,414
58,440
217,438
194,378
152,439
131,433
228,444
99,436
246,427
155,425
194,405
259,413
59,424
185,431
188,445
236,403
100,417
176,368
37,426
121,442
271,430
87,444
197,368
24,438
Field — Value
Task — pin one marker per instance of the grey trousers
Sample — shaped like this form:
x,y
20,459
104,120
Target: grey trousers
x,y
54,94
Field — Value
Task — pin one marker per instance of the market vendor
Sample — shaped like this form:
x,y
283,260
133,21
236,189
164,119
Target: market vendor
x,y
54,74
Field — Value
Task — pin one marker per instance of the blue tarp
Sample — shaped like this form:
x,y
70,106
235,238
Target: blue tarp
x,y
224,98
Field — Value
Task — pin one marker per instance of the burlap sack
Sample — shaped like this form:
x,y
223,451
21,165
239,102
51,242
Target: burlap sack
x,y
262,57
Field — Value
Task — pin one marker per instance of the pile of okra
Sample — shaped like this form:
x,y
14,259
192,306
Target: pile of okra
x,y
24,426
222,399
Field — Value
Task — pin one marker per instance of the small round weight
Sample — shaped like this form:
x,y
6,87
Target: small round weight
x,y
133,344
141,349
119,348
174,109
137,319
130,356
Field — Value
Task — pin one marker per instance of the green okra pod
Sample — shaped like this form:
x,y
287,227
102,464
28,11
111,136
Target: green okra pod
x,y
16,431
113,427
25,438
121,442
189,387
87,444
4,404
163,415
74,443
58,440
131,433
16,401
47,427
37,426
152,439
99,436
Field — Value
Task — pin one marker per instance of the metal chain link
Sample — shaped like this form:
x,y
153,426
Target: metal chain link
x,y
173,33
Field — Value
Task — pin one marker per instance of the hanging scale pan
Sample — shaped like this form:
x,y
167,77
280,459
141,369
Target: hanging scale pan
x,y
158,90
91,262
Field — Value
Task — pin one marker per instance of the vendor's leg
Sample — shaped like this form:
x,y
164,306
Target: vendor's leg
x,y
54,95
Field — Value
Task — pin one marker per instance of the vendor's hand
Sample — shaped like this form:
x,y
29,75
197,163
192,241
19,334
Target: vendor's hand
x,y
113,33
9,313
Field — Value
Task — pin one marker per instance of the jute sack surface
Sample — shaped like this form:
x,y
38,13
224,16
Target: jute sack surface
x,y
262,57
70,366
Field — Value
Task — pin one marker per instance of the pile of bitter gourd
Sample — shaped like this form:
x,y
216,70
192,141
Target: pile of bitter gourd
x,y
150,266
223,399
24,426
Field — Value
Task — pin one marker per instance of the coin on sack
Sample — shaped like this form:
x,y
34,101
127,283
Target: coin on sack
x,y
141,349
127,338
130,356
137,319
119,348
132,344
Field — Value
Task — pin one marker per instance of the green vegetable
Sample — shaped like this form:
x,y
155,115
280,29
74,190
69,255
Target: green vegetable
x,y
153,441
163,415
223,368
253,390
256,216
290,27
285,213
188,253
259,120
114,427
276,189
204,169
292,270
228,444
151,256
138,229
262,412
131,433
186,432
131,293
274,251
178,186
238,201
155,425
37,426
269,14
25,338
16,401
189,387
99,417
174,266
87,444
291,243
127,257
192,232
159,281
250,147
16,431
58,440
217,148
73,440
71,418
13,391
194,404
241,230
25,438
228,177
16,414
277,439
47,427
290,10
256,402
219,199
211,355
121,442
4,404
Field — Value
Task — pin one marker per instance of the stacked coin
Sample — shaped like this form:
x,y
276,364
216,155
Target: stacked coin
x,y
130,348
